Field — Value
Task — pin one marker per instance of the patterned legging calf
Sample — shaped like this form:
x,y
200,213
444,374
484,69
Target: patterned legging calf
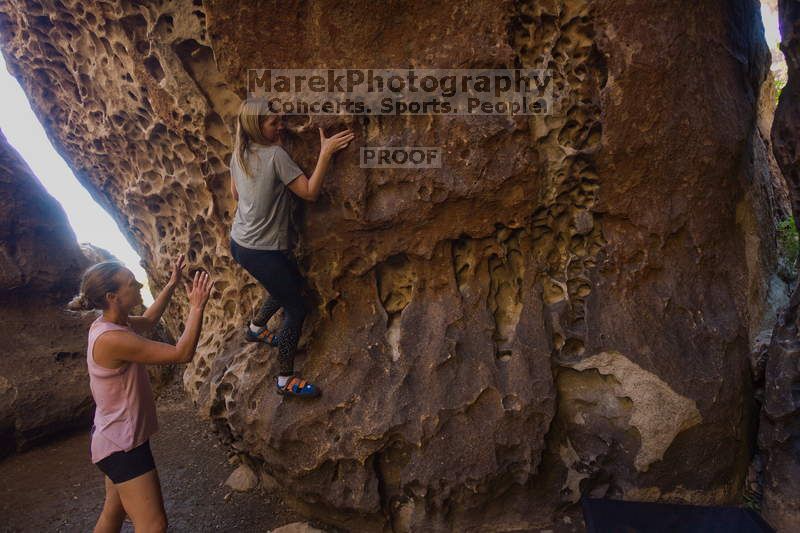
x,y
278,273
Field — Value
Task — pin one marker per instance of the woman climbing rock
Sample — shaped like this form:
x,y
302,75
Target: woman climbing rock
x,y
125,416
262,176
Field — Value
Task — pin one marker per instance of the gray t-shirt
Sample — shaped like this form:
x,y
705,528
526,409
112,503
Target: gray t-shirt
x,y
262,215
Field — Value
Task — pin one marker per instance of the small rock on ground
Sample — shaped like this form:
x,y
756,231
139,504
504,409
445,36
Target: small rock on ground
x,y
297,527
242,479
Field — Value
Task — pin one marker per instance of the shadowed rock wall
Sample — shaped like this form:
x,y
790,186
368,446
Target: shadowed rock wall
x,y
565,307
779,432
44,389
38,250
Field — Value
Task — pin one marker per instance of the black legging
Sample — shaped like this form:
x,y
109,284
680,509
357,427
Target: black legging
x,y
278,273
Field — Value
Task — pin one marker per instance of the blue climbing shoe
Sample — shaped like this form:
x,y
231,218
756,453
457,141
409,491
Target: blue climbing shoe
x,y
297,387
263,335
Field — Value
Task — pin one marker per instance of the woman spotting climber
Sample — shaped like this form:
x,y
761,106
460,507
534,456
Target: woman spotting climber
x,y
125,416
262,174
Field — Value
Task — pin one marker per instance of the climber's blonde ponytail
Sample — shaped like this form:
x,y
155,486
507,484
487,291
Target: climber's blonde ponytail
x,y
252,114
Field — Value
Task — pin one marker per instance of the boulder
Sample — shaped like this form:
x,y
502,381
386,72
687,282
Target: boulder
x,y
779,430
566,307
297,527
44,389
44,386
242,479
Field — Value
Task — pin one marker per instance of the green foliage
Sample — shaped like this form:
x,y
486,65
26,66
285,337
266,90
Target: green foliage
x,y
788,240
779,85
752,500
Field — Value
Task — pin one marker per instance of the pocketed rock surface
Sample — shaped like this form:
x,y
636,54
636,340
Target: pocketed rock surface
x,y
564,308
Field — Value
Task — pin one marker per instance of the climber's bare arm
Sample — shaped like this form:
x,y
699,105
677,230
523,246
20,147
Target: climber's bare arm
x,y
115,348
146,322
308,188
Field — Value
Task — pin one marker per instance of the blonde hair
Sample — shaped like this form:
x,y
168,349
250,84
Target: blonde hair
x,y
98,281
252,114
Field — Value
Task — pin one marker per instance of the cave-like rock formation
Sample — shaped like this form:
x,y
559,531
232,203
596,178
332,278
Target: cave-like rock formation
x,y
44,386
44,389
38,250
564,308
779,431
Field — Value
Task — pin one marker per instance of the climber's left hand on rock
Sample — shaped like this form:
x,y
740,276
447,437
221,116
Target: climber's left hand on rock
x,y
177,271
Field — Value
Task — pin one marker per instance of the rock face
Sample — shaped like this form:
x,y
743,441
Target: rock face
x,y
44,388
564,308
38,250
779,431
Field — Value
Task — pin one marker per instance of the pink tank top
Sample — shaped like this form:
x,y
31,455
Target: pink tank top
x,y
125,416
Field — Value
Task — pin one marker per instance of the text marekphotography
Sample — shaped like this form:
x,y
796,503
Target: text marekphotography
x,y
404,91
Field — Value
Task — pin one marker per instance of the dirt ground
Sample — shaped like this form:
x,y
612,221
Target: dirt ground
x,y
56,488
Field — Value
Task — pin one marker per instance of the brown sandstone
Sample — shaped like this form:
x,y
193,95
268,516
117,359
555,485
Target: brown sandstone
x,y
779,431
44,386
565,308
44,390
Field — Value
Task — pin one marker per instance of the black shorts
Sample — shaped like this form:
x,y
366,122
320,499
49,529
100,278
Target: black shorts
x,y
124,466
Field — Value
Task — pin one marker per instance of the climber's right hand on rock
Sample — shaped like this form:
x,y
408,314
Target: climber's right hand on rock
x,y
334,143
200,289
